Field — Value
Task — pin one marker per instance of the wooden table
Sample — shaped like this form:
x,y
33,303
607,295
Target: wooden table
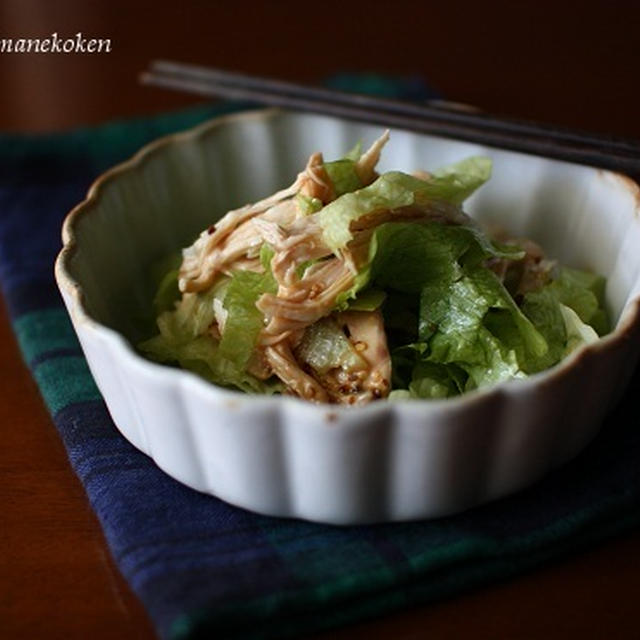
x,y
574,65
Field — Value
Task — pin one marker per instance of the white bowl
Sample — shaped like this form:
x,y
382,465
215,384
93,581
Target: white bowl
x,y
385,461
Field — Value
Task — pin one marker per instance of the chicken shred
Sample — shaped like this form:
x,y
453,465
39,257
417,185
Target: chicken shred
x,y
309,278
373,381
366,164
284,364
315,182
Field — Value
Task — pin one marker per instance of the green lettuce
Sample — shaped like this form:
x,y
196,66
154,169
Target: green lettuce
x,y
472,334
405,256
324,346
584,293
456,182
193,315
431,380
396,190
307,204
451,325
244,320
542,308
415,377
368,300
183,338
355,152
578,332
452,322
568,312
202,356
343,176
465,330
164,274
342,172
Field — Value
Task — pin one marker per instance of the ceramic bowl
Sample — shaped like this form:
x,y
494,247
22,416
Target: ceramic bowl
x,y
387,461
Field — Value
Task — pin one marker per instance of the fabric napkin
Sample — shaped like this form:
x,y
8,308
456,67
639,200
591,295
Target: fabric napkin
x,y
202,567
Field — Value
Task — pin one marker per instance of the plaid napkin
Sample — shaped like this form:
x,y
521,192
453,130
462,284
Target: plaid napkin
x,y
202,567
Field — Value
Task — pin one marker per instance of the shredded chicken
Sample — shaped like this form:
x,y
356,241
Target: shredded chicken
x,y
366,164
198,269
287,369
201,261
315,182
284,314
309,278
366,331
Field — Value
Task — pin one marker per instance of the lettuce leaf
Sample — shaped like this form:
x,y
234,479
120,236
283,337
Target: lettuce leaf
x,y
475,324
343,176
192,315
395,190
405,256
456,182
452,322
355,152
336,217
465,320
201,355
542,308
183,338
342,172
308,205
584,293
244,320
368,300
167,292
324,346
432,380
164,275
578,332
423,379
568,312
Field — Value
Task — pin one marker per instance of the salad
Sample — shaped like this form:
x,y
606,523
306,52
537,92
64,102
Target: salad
x,y
351,286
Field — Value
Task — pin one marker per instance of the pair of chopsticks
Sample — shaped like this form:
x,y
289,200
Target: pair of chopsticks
x,y
527,137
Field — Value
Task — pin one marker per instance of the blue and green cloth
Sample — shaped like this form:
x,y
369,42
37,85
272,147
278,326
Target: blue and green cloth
x,y
203,568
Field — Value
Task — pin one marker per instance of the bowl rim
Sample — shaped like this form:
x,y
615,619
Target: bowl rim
x,y
627,327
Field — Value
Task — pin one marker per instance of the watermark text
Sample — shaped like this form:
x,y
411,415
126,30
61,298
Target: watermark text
x,y
54,43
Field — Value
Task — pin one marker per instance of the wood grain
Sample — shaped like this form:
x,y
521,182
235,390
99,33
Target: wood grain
x,y
57,577
563,63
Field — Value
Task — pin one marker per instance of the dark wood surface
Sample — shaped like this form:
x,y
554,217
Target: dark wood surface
x,y
573,64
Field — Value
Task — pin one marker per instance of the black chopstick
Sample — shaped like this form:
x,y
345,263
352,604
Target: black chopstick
x,y
281,87
564,144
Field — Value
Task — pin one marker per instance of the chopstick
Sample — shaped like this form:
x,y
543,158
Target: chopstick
x,y
564,144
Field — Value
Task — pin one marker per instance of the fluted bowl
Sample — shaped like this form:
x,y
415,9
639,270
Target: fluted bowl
x,y
387,461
